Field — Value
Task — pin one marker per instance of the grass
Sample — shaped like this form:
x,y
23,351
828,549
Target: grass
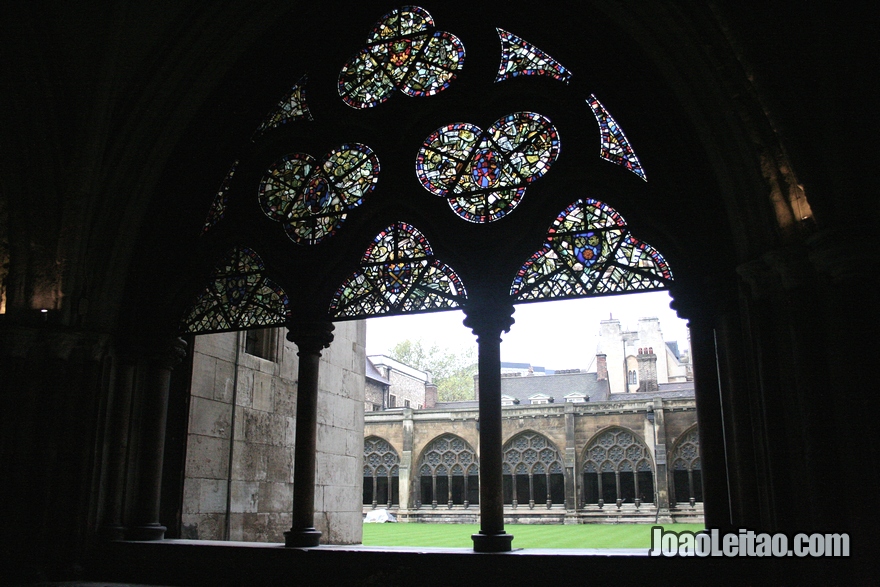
x,y
524,535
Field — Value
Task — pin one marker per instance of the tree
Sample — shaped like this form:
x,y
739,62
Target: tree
x,y
451,370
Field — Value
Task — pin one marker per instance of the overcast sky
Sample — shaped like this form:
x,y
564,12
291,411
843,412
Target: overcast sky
x,y
554,335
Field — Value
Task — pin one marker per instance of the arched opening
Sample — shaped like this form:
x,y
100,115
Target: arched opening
x,y
448,474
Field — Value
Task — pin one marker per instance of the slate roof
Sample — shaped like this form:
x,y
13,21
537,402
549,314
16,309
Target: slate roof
x,y
373,374
556,386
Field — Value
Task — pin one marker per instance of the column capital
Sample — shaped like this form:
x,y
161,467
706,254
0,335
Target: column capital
x,y
169,354
310,336
489,319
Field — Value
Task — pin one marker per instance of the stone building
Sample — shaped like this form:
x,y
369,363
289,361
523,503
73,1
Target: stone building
x,y
407,387
238,479
628,360
754,127
574,452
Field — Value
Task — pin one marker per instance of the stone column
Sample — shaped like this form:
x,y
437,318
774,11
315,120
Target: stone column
x,y
310,338
404,470
116,446
154,410
661,480
568,461
488,322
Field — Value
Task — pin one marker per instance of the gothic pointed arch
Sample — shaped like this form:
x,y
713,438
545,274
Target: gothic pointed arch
x,y
617,466
381,473
532,471
686,468
448,473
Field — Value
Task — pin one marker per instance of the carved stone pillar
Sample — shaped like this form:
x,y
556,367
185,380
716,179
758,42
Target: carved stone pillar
x,y
310,337
488,322
153,410
116,445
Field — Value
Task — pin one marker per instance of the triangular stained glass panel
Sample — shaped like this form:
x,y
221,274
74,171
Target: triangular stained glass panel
x,y
398,275
589,251
293,106
614,146
218,205
238,296
519,57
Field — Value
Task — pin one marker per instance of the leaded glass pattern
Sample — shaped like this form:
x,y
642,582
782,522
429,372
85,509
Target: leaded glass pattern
x,y
293,106
218,206
590,251
238,296
398,274
484,174
614,146
686,456
614,450
404,51
519,57
448,454
310,198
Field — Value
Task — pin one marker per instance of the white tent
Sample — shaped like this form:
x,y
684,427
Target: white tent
x,y
379,517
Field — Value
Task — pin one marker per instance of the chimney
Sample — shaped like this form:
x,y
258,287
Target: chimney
x,y
430,395
601,367
647,361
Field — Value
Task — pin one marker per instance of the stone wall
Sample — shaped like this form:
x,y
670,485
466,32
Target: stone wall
x,y
657,423
258,478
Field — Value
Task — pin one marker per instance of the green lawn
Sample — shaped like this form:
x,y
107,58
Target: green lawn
x,y
524,536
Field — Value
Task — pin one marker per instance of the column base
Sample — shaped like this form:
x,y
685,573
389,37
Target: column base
x,y
492,542
302,538
110,533
664,517
148,532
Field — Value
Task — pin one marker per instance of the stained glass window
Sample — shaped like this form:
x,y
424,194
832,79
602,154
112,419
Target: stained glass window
x,y
484,174
218,206
398,274
614,146
238,296
405,52
311,198
519,57
590,251
292,106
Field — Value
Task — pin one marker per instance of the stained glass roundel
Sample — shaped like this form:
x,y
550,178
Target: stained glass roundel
x,y
403,52
311,198
484,174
